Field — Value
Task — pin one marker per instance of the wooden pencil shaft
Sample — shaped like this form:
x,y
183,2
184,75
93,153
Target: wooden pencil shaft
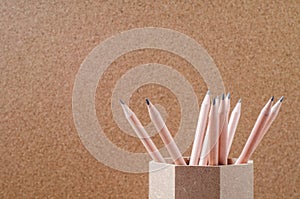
x,y
273,114
214,134
204,155
223,131
223,144
165,134
141,133
200,131
232,125
255,133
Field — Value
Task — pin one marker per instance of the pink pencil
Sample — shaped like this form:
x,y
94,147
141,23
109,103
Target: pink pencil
x,y
214,135
223,131
227,102
200,130
204,156
205,150
217,101
165,134
141,133
274,112
232,125
255,133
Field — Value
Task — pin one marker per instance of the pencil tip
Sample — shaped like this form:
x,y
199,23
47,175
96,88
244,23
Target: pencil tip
x,y
281,99
272,98
240,101
208,92
147,101
122,102
223,96
214,101
228,95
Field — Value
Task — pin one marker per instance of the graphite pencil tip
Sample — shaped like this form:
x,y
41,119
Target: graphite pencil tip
x,y
208,92
240,101
281,99
272,98
228,95
223,96
147,101
122,102
214,101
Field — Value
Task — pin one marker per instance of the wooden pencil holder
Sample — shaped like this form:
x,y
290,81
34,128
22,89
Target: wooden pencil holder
x,y
169,181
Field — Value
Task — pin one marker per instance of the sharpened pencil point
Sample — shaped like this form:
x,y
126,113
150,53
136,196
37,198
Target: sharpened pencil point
x,y
214,101
272,98
121,102
228,95
147,101
223,96
281,99
240,101
208,92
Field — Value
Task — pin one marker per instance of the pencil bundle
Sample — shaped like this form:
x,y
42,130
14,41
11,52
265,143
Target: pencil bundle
x,y
214,134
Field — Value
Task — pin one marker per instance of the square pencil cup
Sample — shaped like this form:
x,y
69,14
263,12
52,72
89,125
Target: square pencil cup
x,y
170,181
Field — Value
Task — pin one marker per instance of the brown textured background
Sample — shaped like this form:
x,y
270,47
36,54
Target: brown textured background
x,y
255,45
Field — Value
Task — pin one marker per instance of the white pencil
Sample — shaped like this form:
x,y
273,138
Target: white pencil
x,y
141,133
200,130
165,134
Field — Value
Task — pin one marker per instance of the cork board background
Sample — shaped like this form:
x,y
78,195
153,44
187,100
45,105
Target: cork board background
x,y
255,45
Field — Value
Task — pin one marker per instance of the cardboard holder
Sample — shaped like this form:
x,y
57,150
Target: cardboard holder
x,y
169,181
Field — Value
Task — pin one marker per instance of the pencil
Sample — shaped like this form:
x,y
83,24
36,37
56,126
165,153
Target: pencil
x,y
204,155
255,133
200,130
228,104
217,99
223,131
203,160
274,112
214,135
233,123
165,134
141,133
